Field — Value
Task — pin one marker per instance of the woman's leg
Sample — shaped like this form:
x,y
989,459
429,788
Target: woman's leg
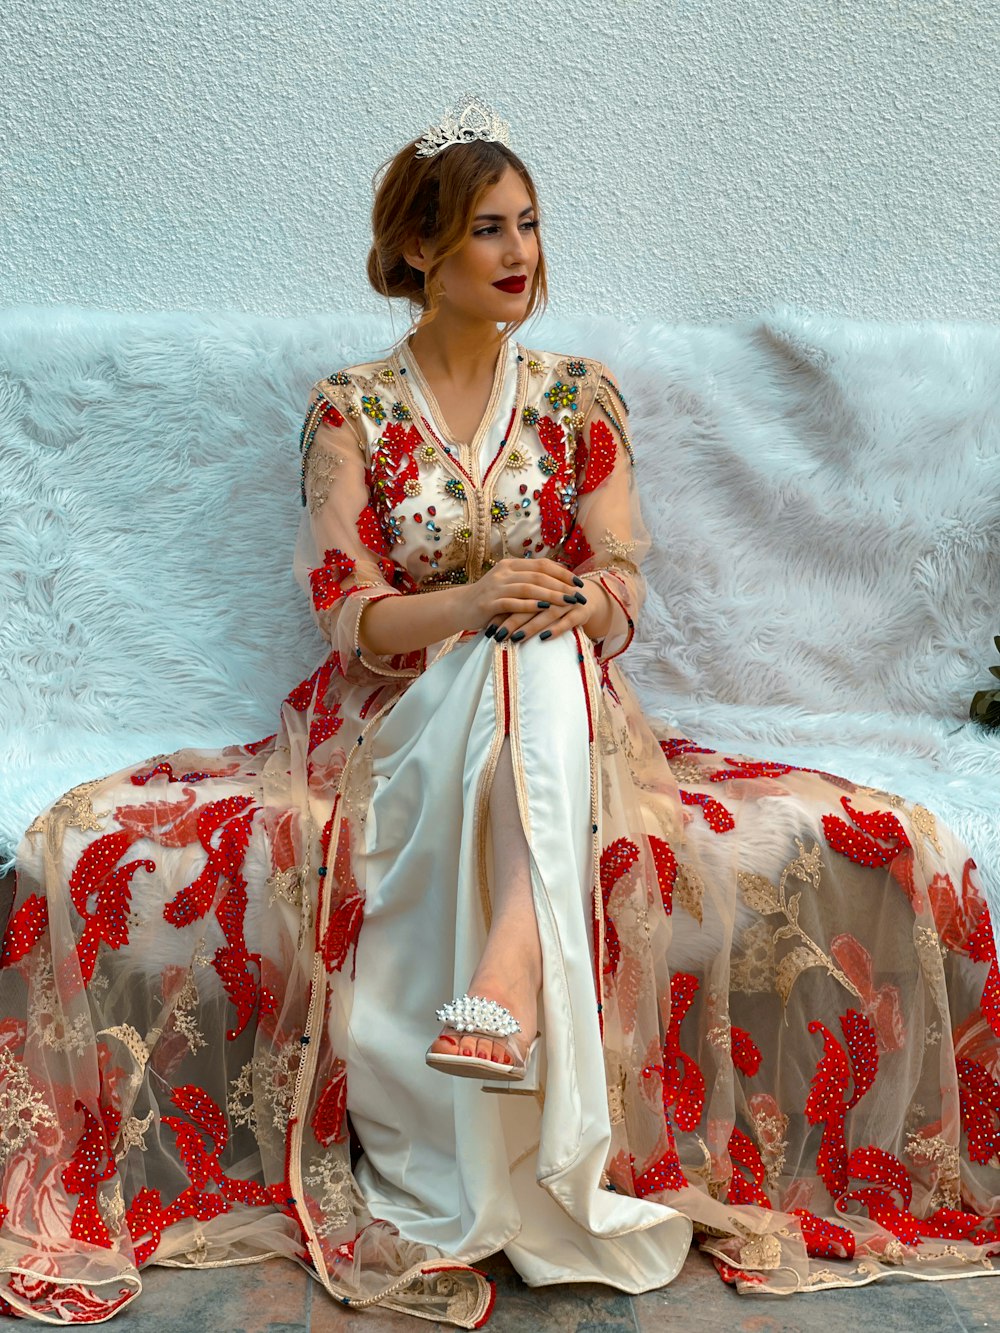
x,y
510,969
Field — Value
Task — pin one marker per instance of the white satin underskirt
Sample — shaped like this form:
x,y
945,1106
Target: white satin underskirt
x,y
471,1171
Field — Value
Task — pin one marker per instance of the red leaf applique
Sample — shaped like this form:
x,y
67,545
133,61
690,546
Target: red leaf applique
x,y
98,876
328,1120
24,929
600,457
746,1052
863,844
666,870
717,817
617,860
576,549
826,1102
746,1185
982,949
824,1240
326,582
169,823
882,1005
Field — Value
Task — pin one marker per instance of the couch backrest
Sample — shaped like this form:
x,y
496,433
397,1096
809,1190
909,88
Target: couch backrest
x,y
823,495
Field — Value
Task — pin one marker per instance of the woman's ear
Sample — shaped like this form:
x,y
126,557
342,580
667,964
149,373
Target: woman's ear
x,y
417,254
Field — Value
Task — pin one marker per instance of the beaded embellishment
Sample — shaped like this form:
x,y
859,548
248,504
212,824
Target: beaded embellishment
x,y
474,1013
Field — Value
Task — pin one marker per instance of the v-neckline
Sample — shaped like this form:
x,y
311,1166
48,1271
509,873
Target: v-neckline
x,y
434,407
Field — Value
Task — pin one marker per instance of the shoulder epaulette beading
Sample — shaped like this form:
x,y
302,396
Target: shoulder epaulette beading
x,y
612,402
319,409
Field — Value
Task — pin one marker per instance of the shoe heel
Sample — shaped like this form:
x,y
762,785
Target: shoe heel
x,y
529,1084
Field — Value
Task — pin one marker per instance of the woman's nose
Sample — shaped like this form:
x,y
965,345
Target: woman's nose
x,y
518,249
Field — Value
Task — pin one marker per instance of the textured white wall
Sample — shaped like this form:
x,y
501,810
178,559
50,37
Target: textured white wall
x,y
697,159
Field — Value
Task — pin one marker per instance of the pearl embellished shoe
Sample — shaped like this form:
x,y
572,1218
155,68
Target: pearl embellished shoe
x,y
484,1018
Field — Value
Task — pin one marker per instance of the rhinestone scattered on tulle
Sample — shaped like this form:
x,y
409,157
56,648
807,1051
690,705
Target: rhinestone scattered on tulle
x,y
473,1013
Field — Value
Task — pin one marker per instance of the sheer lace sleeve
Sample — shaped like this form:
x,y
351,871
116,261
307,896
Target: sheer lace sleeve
x,y
609,538
342,560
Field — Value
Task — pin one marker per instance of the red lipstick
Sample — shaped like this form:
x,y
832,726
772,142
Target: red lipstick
x,y
515,284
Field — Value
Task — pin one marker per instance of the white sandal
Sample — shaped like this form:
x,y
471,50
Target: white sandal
x,y
484,1018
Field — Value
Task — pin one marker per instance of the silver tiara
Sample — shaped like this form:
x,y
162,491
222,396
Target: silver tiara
x,y
469,119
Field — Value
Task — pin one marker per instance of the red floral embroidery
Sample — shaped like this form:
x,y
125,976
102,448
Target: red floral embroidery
x,y
865,848
193,901
98,876
576,549
982,949
25,928
326,720
599,458
882,1005
342,931
678,745
234,816
956,917
826,1104
824,1240
91,1165
199,1147
979,1104
329,1123
666,870
139,779
327,582
556,499
717,817
387,478
744,769
748,1187
169,823
617,860
746,1052
734,1276
255,747
370,531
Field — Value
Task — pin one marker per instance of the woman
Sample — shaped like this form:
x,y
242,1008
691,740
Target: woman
x,y
715,995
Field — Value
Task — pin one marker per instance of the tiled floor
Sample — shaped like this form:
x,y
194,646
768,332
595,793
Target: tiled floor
x,y
278,1297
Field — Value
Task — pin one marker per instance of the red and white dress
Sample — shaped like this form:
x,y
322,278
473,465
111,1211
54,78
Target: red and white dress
x,y
770,1005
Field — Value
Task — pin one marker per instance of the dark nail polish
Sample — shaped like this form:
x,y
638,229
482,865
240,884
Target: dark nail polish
x,y
581,599
500,635
544,606
517,636
569,597
545,634
490,630
578,581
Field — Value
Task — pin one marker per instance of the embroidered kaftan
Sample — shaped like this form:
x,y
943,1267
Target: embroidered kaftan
x,y
770,996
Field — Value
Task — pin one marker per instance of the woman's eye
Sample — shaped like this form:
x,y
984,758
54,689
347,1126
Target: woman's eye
x,y
488,231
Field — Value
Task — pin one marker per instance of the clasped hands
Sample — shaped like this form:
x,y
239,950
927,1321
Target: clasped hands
x,y
521,598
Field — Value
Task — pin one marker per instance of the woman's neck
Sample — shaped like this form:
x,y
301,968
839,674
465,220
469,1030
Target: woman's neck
x,y
457,352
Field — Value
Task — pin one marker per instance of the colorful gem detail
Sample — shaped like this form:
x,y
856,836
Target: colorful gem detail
x,y
562,395
372,407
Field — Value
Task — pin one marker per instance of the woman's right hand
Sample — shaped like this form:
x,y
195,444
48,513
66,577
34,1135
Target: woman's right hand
x,y
520,588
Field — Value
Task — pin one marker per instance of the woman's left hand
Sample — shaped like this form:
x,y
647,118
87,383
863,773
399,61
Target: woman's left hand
x,y
585,606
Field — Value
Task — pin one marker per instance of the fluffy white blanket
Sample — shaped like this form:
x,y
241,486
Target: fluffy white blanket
x,y
823,496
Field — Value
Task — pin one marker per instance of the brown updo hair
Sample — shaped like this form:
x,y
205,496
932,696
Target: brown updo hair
x,y
436,199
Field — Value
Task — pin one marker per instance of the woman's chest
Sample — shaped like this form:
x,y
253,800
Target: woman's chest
x,y
445,514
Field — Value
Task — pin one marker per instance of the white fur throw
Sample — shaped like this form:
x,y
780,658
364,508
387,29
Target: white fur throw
x,y
823,495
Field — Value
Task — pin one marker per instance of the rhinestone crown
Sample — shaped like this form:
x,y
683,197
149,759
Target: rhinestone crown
x,y
473,1013
469,119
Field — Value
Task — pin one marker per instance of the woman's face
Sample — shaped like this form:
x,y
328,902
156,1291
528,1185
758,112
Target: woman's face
x,y
502,244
